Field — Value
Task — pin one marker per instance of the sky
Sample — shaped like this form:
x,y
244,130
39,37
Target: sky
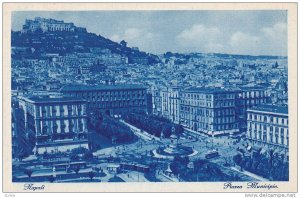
x,y
260,32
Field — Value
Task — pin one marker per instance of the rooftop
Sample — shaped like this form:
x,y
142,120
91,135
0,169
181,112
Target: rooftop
x,y
100,87
211,90
271,108
47,99
252,87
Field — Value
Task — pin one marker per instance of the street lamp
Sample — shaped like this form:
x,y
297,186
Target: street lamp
x,y
212,140
53,172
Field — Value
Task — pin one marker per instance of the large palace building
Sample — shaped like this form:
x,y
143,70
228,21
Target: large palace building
x,y
268,125
59,124
209,110
49,25
114,100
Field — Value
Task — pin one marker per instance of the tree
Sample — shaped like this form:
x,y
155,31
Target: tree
x,y
248,164
97,169
76,152
91,175
46,155
179,163
271,156
199,164
88,156
237,159
114,129
77,169
28,172
227,161
74,157
51,179
94,120
261,170
153,124
22,155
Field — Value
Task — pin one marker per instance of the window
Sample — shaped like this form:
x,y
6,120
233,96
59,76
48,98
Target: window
x,y
43,112
287,138
70,110
45,130
80,126
276,130
282,135
62,127
259,135
79,109
276,138
71,125
264,136
61,110
281,131
54,111
271,134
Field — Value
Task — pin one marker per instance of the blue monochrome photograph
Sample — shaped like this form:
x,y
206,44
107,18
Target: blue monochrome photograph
x,y
149,96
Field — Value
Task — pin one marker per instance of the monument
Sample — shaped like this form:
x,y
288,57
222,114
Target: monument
x,y
174,148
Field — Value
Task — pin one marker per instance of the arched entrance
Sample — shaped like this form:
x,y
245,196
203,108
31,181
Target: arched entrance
x,y
195,127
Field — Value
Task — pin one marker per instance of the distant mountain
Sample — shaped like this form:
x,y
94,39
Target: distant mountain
x,y
220,55
249,57
40,42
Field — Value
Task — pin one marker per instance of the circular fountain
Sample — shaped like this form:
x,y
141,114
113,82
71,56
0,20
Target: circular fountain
x,y
174,148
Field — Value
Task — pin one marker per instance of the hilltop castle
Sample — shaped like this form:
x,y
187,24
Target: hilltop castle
x,y
49,25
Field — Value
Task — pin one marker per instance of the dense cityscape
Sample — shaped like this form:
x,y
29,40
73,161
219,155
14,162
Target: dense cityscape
x,y
87,109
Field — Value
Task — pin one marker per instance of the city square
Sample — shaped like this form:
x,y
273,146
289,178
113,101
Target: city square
x,y
90,108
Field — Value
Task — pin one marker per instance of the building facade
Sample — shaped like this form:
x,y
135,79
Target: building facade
x,y
114,100
209,110
59,124
268,125
279,93
248,98
156,101
14,131
170,103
